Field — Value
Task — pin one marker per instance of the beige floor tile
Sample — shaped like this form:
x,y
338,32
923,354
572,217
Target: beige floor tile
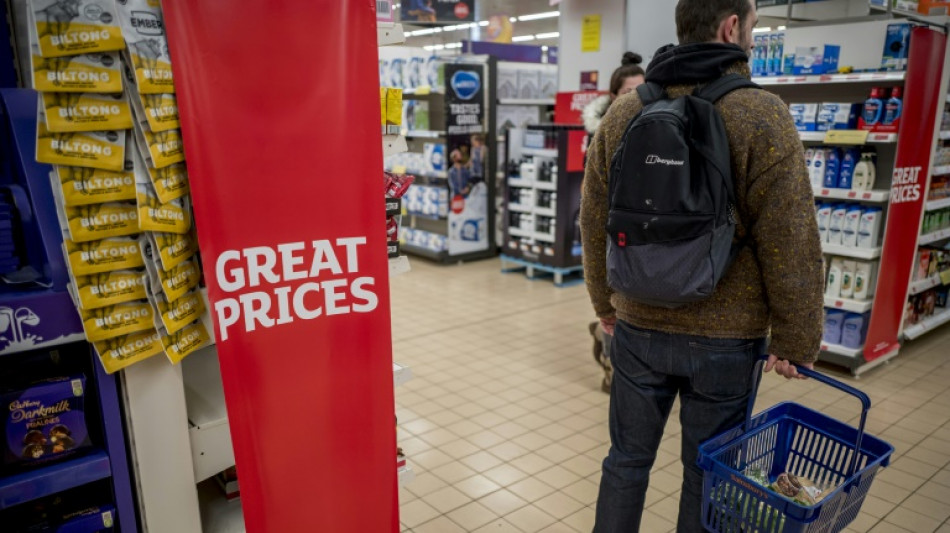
x,y
459,448
431,459
472,516
498,526
584,491
582,520
416,513
439,437
559,505
503,502
464,428
935,491
531,489
654,522
440,525
425,483
453,472
558,477
863,523
911,520
507,451
505,475
477,486
531,463
447,499
558,527
486,439
876,507
584,465
530,519
556,453
481,461
938,510
889,492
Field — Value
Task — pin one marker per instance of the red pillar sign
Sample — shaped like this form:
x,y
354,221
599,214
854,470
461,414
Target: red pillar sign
x,y
280,119
908,187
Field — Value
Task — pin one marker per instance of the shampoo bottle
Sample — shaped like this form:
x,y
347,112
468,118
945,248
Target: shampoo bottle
x,y
847,278
824,220
873,107
833,288
870,229
863,178
818,169
849,161
832,168
837,224
894,107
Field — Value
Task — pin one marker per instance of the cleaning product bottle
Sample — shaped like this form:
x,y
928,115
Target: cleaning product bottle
x,y
818,169
873,107
894,107
863,178
832,168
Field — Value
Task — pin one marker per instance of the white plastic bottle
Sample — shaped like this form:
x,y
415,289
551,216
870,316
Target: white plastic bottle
x,y
817,171
862,281
833,288
870,229
824,220
863,179
847,278
836,229
852,223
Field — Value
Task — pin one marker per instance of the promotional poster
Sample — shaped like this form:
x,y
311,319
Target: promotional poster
x,y
434,11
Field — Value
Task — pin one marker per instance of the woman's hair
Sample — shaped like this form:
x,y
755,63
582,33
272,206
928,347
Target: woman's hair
x,y
629,66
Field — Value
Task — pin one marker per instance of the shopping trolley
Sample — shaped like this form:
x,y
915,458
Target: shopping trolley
x,y
795,439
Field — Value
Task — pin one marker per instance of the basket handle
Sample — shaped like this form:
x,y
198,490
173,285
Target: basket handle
x,y
844,387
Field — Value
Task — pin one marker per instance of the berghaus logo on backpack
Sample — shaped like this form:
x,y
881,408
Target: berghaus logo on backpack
x,y
671,240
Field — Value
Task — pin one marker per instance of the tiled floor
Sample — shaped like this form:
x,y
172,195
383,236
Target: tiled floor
x,y
505,424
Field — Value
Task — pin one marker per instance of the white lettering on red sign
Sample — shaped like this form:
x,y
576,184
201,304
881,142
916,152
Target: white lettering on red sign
x,y
906,185
273,268
580,100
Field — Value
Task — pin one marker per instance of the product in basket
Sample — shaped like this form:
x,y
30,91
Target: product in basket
x,y
397,184
110,288
97,72
144,30
70,112
101,221
798,489
117,320
86,186
93,149
120,352
44,421
70,27
191,338
94,257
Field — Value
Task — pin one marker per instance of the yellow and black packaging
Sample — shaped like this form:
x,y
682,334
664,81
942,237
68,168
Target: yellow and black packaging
x,y
144,29
160,111
159,149
71,27
173,217
115,320
383,98
92,149
95,257
173,249
102,221
110,288
170,183
393,111
120,352
179,280
71,112
177,314
86,186
185,342
98,72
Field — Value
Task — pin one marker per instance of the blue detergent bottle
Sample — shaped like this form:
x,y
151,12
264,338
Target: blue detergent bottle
x,y
874,107
894,107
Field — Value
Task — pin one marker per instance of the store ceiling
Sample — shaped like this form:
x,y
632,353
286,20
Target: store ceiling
x,y
546,27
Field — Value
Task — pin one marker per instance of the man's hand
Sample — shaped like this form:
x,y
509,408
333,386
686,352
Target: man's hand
x,y
785,368
608,324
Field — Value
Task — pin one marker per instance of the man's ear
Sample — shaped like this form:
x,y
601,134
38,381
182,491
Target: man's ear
x,y
729,30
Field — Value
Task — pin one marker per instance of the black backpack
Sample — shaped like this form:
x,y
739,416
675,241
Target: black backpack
x,y
672,217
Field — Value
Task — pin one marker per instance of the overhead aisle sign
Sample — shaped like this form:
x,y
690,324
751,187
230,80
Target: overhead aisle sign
x,y
285,176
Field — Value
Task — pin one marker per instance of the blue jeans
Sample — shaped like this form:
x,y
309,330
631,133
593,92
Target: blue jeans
x,y
713,377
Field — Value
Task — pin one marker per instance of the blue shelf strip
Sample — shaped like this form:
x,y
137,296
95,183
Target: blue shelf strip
x,y
49,480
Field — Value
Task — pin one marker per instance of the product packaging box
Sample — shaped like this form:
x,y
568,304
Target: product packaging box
x,y
776,52
896,47
816,59
45,421
434,154
805,116
838,116
383,101
549,84
529,84
759,53
507,82
393,111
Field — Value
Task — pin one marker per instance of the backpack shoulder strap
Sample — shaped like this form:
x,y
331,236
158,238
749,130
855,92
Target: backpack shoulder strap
x,y
651,92
714,91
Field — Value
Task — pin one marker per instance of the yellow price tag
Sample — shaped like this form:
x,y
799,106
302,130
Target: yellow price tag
x,y
945,277
399,169
846,137
424,89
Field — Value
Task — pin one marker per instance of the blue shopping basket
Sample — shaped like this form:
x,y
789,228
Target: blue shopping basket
x,y
789,438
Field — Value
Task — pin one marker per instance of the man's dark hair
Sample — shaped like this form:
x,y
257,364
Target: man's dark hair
x,y
697,21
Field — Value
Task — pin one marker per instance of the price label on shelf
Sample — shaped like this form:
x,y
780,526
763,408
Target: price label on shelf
x,y
423,90
847,137
945,277
399,169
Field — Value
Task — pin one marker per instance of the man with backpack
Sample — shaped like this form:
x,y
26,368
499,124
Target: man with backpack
x,y
700,242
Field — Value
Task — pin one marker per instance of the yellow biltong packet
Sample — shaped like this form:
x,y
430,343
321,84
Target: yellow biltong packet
x,y
86,186
161,149
110,288
106,255
186,341
98,72
102,221
170,183
144,29
160,111
120,352
70,112
173,217
115,320
94,149
177,314
179,280
71,27
173,249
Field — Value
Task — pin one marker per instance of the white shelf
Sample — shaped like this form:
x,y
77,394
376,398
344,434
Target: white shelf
x,y
526,101
819,136
394,144
849,304
399,265
546,211
543,237
934,205
928,324
546,185
218,514
878,197
518,232
389,33
211,447
945,135
936,236
861,77
540,152
925,284
848,251
518,182
841,350
406,475
941,170
425,134
401,374
518,208
422,91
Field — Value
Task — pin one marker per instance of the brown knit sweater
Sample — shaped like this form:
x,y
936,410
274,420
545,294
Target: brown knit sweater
x,y
777,280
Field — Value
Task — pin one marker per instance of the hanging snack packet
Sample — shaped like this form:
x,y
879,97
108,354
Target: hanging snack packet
x,y
171,183
173,249
70,27
95,257
66,112
144,29
177,314
173,217
179,280
159,110
185,342
161,149
85,186
93,149
101,221
97,72
115,320
110,288
120,352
